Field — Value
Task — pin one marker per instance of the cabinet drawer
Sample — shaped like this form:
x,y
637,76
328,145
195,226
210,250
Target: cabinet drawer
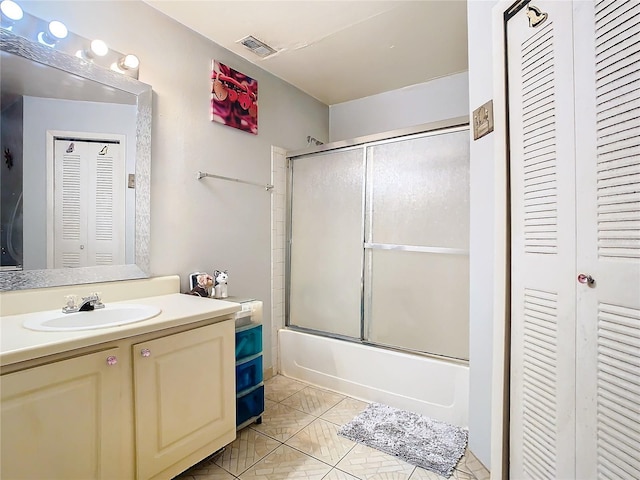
x,y
250,405
249,373
248,341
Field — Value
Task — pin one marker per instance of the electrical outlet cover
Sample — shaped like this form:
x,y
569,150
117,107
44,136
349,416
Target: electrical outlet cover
x,y
483,120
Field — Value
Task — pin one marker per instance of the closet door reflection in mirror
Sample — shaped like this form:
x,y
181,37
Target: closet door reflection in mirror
x,y
86,225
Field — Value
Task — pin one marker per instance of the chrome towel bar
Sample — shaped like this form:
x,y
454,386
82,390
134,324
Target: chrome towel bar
x,y
267,187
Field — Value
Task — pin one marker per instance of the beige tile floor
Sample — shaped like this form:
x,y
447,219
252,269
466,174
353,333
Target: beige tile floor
x,y
298,439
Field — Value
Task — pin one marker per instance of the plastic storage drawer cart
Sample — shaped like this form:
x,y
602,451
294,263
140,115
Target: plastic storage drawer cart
x,y
249,384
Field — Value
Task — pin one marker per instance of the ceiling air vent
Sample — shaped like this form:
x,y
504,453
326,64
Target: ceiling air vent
x,y
256,46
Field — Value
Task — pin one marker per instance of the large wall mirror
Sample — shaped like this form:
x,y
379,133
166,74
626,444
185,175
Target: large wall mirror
x,y
56,106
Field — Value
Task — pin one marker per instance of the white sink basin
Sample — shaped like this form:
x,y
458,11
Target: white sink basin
x,y
109,316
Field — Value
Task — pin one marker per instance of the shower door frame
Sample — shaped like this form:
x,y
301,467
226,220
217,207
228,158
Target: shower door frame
x,y
429,129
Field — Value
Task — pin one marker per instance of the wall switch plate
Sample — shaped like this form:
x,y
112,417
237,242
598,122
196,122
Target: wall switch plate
x,y
131,183
483,120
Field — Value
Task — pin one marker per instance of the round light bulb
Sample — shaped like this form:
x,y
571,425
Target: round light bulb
x,y
130,61
99,48
58,29
11,10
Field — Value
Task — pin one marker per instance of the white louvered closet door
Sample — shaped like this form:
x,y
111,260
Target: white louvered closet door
x,y
106,215
89,215
541,115
607,79
71,178
575,174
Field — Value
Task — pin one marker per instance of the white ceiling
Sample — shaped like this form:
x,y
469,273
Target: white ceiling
x,y
338,50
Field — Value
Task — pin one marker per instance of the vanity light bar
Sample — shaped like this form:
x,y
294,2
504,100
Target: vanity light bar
x,y
55,34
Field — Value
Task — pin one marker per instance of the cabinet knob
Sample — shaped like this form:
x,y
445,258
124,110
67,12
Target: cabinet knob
x,y
112,360
145,352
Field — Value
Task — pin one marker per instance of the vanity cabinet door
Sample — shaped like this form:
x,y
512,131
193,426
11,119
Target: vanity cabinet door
x,y
61,420
184,394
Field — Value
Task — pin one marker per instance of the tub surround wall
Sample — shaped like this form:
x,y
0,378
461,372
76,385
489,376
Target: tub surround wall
x,y
278,231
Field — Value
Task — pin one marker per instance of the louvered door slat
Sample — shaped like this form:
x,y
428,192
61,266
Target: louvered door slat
x,y
606,8
618,148
104,197
624,133
616,90
537,72
609,24
71,197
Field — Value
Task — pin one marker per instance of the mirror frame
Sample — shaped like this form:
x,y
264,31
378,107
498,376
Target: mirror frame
x,y
27,279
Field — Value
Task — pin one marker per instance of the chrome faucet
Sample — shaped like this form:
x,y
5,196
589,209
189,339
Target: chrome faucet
x,y
86,304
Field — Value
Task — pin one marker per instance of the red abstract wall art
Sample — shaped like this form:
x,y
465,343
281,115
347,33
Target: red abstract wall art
x,y
234,98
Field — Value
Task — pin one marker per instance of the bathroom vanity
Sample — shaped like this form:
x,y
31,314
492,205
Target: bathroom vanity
x,y
144,400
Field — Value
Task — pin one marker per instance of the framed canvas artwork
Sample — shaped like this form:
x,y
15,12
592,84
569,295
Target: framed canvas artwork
x,y
234,98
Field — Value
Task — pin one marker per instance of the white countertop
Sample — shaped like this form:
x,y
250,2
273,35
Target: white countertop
x,y
19,344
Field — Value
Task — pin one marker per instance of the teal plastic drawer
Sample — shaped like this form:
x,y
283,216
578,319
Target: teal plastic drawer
x,y
250,405
248,373
248,341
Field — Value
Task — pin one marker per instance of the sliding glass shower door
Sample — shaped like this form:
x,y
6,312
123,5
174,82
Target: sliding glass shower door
x,y
379,242
417,244
325,270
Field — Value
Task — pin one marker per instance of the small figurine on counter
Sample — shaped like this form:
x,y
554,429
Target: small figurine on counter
x,y
204,286
220,286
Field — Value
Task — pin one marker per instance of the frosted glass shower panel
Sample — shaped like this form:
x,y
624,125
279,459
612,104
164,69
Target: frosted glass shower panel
x,y
420,301
420,191
326,249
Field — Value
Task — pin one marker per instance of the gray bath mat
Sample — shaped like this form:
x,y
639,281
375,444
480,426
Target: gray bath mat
x,y
421,441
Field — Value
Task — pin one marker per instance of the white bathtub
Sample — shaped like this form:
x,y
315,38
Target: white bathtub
x,y
430,387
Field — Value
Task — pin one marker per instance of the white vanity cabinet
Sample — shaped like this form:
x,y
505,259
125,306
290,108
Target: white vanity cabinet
x,y
63,419
146,407
184,396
